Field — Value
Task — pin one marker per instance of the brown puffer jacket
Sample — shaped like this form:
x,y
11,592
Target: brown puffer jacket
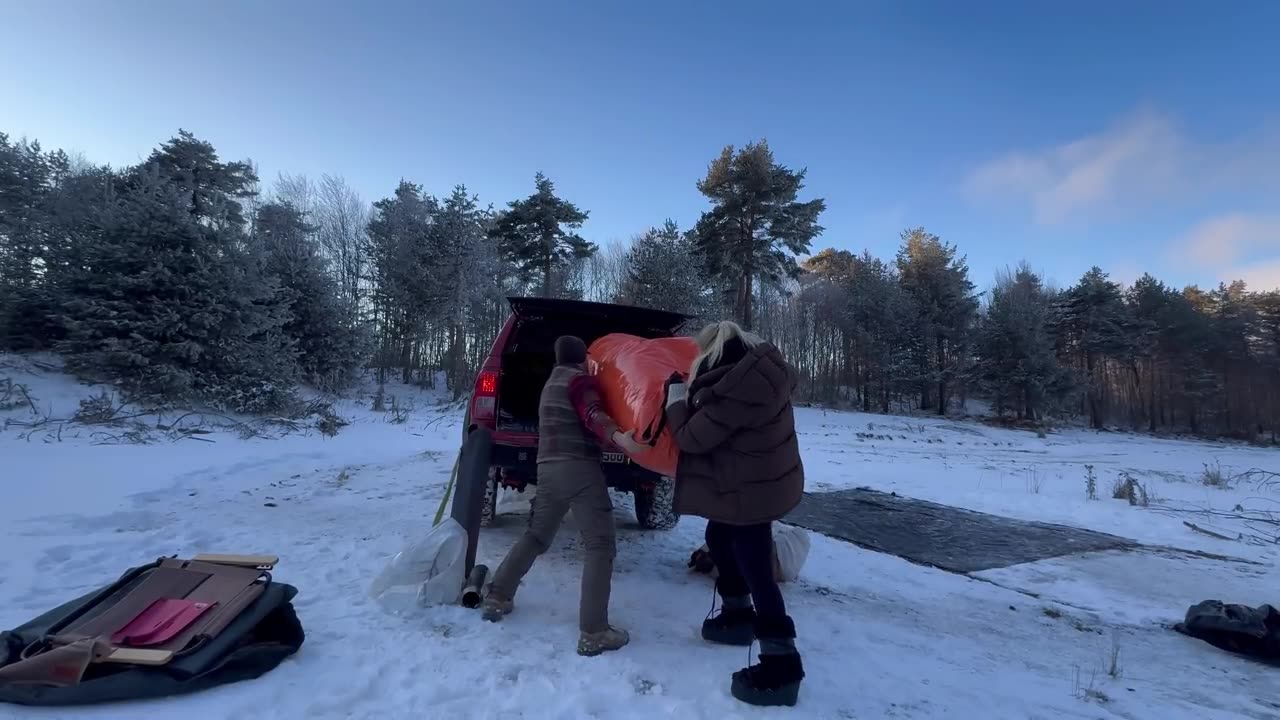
x,y
739,456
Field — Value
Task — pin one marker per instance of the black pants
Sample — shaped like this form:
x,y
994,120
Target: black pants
x,y
743,555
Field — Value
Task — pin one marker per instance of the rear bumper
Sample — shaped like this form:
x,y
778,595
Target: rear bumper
x,y
516,455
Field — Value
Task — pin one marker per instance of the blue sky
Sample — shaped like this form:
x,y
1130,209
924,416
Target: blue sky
x,y
1134,135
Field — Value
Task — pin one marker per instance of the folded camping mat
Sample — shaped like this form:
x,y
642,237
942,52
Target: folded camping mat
x,y
166,628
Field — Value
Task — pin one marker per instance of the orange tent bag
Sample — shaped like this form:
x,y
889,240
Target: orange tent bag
x,y
633,374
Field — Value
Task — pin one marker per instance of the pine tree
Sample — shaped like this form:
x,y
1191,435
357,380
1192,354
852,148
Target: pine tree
x,y
170,309
1269,351
401,256
876,311
25,185
463,276
1016,360
1192,325
936,278
756,226
1236,326
330,348
1093,324
535,233
212,190
1149,301
664,271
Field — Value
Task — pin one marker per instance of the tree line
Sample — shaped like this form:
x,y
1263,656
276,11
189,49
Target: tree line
x,y
182,277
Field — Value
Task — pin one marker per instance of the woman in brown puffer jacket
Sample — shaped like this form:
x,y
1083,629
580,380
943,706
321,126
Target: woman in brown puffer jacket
x,y
740,468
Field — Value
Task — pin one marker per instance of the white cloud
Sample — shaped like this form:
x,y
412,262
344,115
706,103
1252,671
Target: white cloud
x,y
1142,159
1237,246
1261,276
1226,239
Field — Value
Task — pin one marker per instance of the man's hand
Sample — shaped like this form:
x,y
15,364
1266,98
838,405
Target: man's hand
x,y
627,443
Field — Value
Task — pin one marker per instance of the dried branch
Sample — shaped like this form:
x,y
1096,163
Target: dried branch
x,y
436,421
9,389
1210,533
1259,527
1265,479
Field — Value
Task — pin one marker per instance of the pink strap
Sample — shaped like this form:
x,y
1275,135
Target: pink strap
x,y
160,622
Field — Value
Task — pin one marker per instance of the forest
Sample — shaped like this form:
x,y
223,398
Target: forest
x,y
183,278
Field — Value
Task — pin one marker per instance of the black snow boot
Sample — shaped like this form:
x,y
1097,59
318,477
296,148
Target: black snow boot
x,y
733,625
776,679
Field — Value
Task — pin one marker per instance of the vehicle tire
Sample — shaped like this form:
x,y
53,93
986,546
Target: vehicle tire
x,y
489,508
654,509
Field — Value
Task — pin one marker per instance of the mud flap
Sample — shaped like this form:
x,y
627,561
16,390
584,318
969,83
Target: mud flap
x,y
468,497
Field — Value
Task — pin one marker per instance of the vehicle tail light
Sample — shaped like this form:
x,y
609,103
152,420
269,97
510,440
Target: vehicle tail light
x,y
484,404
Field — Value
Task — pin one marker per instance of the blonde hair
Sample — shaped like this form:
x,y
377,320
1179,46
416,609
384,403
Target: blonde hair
x,y
713,338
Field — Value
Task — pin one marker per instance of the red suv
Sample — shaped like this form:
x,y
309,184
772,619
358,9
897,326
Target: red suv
x,y
509,386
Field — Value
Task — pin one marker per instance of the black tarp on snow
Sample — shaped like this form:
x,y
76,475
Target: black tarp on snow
x,y
948,538
1254,632
265,633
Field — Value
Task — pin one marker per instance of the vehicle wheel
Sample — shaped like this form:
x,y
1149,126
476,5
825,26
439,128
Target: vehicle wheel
x,y
654,509
489,509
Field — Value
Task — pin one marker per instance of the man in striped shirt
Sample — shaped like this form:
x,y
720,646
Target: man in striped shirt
x,y
572,427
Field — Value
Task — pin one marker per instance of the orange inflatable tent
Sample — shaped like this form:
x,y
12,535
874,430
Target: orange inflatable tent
x,y
633,374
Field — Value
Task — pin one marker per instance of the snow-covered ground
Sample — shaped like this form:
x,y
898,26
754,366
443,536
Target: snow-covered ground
x,y
882,638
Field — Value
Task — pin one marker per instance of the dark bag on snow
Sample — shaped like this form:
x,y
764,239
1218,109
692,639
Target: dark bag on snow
x,y
167,628
1254,632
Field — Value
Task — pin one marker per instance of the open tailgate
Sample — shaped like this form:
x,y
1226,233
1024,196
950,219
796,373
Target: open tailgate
x,y
645,322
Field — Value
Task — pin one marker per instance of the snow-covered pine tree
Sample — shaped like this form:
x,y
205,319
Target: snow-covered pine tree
x,y
330,346
26,178
664,271
400,251
171,308
462,277
212,190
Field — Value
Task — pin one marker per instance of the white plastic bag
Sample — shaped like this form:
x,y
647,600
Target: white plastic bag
x,y
791,547
790,550
427,572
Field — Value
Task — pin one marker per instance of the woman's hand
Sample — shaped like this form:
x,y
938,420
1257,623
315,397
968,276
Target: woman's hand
x,y
626,442
699,399
676,392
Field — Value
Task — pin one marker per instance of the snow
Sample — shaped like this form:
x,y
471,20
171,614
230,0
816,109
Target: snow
x,y
881,637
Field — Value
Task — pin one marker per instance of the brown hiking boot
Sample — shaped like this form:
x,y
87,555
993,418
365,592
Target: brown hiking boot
x,y
495,608
592,644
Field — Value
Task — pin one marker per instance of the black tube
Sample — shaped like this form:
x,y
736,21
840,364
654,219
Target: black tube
x,y
468,490
472,592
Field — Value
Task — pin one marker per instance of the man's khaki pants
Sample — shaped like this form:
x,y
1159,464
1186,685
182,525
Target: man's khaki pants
x,y
563,486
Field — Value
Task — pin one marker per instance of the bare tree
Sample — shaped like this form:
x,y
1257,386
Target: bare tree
x,y
341,218
606,272
297,190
